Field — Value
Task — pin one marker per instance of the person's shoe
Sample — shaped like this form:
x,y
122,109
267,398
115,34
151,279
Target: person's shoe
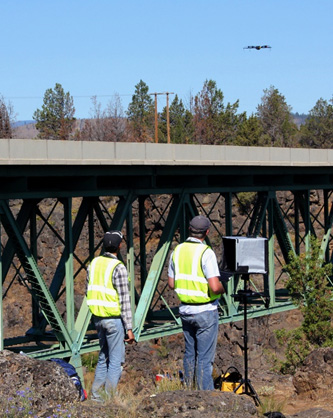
x,y
98,400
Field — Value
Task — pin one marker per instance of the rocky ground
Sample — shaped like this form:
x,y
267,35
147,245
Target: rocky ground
x,y
42,388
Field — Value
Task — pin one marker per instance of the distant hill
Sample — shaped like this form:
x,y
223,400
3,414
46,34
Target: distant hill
x,y
25,130
299,119
23,122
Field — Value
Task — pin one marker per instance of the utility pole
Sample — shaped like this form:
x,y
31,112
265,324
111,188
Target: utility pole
x,y
168,119
156,121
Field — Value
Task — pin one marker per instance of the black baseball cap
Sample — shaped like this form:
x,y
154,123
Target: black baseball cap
x,y
199,224
112,240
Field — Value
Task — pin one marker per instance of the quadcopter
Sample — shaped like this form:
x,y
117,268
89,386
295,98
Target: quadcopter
x,y
258,47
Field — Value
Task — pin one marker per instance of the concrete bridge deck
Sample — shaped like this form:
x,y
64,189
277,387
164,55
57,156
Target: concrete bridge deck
x,y
46,168
48,152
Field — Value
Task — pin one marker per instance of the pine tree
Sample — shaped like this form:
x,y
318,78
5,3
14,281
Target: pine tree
x,y
56,118
275,117
317,131
250,133
6,130
140,113
214,122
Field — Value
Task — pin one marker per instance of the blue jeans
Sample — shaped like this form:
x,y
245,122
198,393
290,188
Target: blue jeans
x,y
111,356
200,333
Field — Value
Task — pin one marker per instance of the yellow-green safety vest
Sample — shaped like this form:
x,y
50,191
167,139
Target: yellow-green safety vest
x,y
191,285
102,297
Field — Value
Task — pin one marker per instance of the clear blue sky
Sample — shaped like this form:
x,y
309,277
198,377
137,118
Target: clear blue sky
x,y
102,47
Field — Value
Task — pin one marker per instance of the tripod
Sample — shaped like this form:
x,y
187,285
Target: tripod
x,y
242,296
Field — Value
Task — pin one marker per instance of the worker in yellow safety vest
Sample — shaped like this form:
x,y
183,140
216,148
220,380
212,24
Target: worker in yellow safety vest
x,y
194,275
109,302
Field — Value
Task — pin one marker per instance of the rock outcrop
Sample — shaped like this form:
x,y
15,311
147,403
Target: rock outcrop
x,y
42,388
33,384
314,378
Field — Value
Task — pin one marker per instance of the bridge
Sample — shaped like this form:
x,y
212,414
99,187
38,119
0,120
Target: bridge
x,y
58,198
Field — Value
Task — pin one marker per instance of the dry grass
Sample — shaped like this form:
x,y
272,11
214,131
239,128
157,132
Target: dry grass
x,y
167,384
133,386
270,404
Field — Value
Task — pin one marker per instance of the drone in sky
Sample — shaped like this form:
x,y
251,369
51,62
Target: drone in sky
x,y
258,47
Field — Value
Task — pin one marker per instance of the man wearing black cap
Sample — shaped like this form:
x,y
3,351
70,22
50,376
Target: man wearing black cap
x,y
109,302
194,275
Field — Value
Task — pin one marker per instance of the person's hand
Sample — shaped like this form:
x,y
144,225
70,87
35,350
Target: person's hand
x,y
129,337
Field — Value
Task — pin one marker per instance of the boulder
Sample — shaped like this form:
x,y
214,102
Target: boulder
x,y
314,378
198,404
41,384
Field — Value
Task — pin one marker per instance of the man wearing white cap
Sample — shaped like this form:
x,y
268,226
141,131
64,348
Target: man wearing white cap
x,y
194,275
109,302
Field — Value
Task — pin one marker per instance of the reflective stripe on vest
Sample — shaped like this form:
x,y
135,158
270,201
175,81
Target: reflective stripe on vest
x,y
102,297
191,285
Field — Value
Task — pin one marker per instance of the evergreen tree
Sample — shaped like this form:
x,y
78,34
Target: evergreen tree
x,y
215,123
251,133
275,117
208,106
230,123
6,112
317,131
140,113
56,118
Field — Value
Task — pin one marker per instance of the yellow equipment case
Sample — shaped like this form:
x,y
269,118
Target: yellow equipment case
x,y
230,381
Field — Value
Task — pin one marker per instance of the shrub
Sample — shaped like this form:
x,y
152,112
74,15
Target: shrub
x,y
245,201
309,288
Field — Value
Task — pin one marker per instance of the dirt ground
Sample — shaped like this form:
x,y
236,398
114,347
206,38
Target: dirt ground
x,y
164,356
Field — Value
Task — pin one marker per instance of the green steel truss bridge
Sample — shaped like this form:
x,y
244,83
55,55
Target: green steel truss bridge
x,y
64,195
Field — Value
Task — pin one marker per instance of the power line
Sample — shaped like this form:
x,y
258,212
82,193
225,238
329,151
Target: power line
x,y
77,97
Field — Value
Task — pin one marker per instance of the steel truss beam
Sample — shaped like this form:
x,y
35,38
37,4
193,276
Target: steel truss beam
x,y
153,222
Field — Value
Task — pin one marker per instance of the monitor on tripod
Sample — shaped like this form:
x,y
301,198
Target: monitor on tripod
x,y
245,255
